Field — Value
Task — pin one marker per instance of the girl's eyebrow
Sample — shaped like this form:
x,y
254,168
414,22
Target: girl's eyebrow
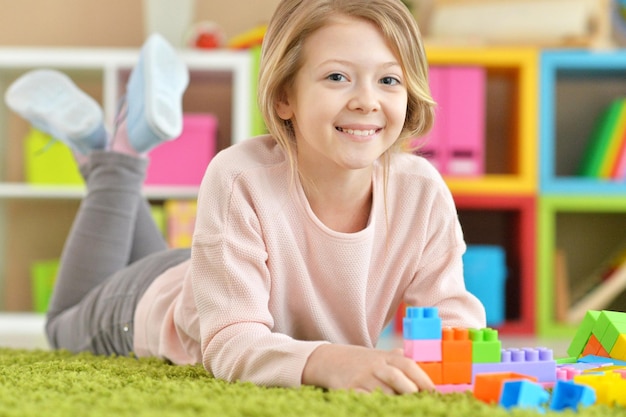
x,y
351,63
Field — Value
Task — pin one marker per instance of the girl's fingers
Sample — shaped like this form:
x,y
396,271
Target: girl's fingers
x,y
413,373
395,379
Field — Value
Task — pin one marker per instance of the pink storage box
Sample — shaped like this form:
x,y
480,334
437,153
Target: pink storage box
x,y
184,160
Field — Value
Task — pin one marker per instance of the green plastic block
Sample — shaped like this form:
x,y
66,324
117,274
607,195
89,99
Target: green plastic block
x,y
608,327
561,361
583,333
486,348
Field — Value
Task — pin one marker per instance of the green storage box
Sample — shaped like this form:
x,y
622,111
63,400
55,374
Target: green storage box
x,y
48,161
43,274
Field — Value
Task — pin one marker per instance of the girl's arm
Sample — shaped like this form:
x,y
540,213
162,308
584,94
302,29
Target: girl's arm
x,y
364,370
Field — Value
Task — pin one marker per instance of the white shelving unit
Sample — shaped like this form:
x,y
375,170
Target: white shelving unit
x,y
221,82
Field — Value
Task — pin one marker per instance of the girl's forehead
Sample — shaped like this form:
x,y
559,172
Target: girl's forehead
x,y
349,37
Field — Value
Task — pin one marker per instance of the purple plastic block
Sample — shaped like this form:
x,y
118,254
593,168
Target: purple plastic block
x,y
423,350
537,362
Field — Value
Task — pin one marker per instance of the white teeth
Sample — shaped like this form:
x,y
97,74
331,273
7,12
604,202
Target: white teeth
x,y
359,132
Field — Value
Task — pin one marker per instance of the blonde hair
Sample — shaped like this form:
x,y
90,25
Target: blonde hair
x,y
281,58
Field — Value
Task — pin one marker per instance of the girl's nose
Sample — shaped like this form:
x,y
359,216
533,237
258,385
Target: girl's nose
x,y
364,99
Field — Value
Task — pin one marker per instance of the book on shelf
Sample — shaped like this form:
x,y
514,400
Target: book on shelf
x,y
600,288
561,286
180,222
605,154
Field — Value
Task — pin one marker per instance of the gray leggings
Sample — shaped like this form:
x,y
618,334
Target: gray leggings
x,y
112,254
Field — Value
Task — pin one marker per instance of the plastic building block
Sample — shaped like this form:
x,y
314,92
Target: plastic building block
x,y
601,360
423,350
433,370
594,347
486,347
567,373
608,327
536,362
456,372
578,343
449,388
488,387
609,387
523,393
456,345
568,394
456,356
421,323
619,348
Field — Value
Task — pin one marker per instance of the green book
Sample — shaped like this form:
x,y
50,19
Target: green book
x,y
600,139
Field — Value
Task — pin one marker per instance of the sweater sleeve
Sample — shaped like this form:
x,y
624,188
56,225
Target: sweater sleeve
x,y
439,280
232,286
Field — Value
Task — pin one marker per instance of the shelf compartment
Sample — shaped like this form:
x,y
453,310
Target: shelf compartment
x,y
587,227
507,221
511,124
576,87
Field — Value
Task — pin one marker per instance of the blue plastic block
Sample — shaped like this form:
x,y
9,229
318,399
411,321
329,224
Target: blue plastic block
x,y
421,323
568,394
523,393
484,268
601,360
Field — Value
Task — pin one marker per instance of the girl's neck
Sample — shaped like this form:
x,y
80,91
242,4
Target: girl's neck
x,y
342,202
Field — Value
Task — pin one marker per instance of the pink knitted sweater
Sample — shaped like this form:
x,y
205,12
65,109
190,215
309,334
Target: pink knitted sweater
x,y
267,282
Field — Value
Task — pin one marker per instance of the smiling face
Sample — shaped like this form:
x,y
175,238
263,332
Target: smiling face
x,y
348,101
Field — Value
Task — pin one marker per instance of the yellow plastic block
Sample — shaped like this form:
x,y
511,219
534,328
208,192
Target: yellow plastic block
x,y
609,387
619,348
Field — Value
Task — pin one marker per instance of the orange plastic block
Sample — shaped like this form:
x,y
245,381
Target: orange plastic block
x,y
433,370
456,345
456,372
488,387
592,347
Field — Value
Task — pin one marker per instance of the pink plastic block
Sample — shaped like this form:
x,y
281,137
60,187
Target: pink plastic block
x,y
423,350
567,373
184,160
450,388
537,362
465,124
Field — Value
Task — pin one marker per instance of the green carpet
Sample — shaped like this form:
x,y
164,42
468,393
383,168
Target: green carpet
x,y
53,383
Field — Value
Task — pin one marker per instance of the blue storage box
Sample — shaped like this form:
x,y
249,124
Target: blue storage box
x,y
484,267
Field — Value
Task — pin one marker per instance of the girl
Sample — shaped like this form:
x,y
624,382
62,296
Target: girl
x,y
307,239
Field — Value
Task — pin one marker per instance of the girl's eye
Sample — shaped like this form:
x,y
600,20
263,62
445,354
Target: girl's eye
x,y
336,77
390,81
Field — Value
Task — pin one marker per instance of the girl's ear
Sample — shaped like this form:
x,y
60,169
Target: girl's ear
x,y
283,108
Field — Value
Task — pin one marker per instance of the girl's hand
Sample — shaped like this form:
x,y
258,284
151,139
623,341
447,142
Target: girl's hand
x,y
364,370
